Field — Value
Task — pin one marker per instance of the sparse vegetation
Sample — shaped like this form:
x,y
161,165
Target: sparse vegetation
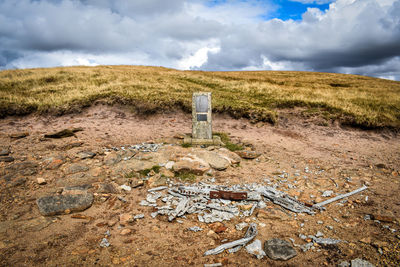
x,y
186,145
227,141
256,95
155,168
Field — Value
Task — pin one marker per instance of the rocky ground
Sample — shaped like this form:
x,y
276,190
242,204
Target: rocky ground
x,y
78,200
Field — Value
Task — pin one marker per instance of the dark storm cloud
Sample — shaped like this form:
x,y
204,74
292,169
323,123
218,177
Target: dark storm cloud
x,y
353,36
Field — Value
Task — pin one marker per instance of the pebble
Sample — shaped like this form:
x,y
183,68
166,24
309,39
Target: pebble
x,y
327,193
41,181
320,222
319,234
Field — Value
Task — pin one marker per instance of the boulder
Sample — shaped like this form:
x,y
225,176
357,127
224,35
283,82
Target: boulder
x,y
189,165
215,160
64,204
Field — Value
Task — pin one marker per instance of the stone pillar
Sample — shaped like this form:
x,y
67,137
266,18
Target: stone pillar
x,y
201,116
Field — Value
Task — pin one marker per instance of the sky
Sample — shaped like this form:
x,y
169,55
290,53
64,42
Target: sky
x,y
343,36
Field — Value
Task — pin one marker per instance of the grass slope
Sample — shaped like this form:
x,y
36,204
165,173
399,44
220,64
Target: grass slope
x,y
257,95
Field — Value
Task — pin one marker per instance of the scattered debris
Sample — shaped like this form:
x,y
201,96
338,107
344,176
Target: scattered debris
x,y
323,203
160,188
237,244
255,248
324,241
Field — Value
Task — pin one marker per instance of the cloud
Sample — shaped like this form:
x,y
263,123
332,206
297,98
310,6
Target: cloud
x,y
352,36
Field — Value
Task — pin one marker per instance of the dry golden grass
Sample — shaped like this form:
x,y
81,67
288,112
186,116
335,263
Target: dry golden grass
x,y
258,95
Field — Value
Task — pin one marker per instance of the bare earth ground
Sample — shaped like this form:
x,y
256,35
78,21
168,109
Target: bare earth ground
x,y
349,158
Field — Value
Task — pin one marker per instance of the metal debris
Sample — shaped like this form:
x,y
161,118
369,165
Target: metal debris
x,y
325,241
228,195
104,243
241,226
195,229
237,244
139,216
323,203
160,188
255,249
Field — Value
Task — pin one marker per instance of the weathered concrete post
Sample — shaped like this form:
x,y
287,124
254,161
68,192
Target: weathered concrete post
x,y
202,121
201,116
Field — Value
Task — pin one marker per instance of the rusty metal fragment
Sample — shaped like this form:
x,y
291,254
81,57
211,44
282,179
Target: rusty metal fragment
x,y
228,195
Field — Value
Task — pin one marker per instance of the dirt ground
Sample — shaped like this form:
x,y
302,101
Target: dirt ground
x,y
315,158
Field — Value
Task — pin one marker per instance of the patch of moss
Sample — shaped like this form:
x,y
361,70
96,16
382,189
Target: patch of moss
x,y
227,141
186,145
186,176
130,175
155,168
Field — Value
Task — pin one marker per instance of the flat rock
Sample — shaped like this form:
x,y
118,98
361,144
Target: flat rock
x,y
278,249
215,160
112,158
6,159
86,154
64,204
232,157
76,167
187,165
247,154
23,168
106,188
53,163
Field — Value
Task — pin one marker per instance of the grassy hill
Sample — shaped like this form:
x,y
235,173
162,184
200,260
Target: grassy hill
x,y
258,95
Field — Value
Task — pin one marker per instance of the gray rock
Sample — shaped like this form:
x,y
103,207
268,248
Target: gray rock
x,y
112,158
59,204
106,188
86,154
361,263
104,243
23,168
75,168
327,193
278,249
6,159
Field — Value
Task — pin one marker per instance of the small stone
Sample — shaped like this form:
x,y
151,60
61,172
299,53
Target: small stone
x,y
212,234
86,154
366,240
247,154
320,222
19,135
278,249
218,227
361,263
125,232
53,163
125,219
60,204
41,181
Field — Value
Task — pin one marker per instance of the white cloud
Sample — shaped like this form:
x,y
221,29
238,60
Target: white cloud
x,y
319,2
